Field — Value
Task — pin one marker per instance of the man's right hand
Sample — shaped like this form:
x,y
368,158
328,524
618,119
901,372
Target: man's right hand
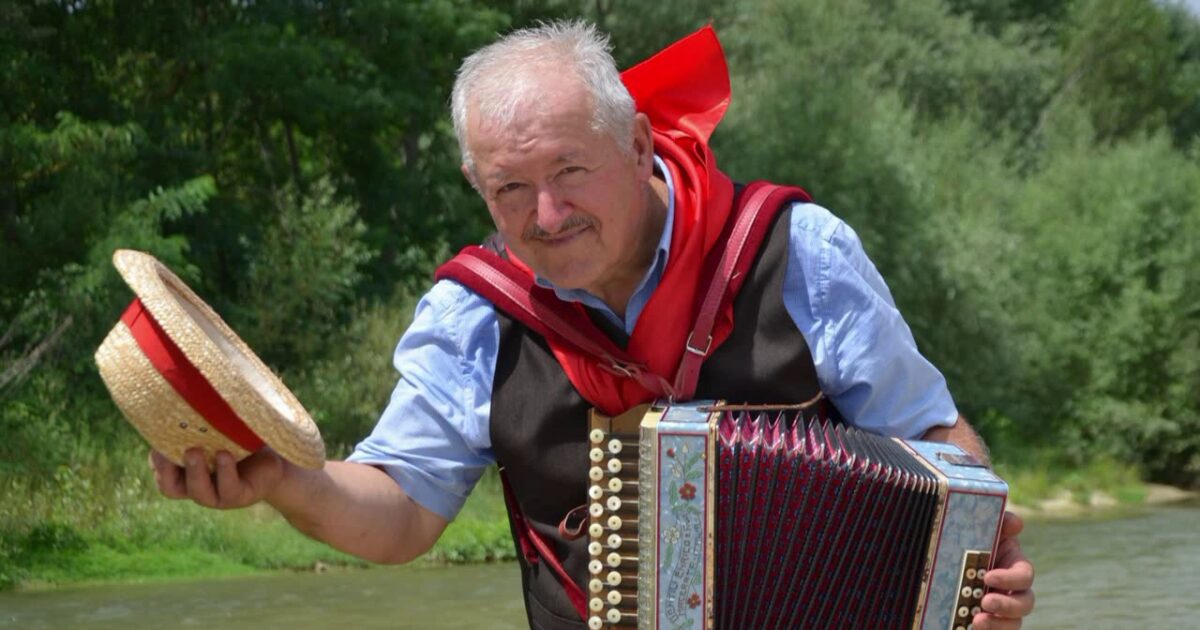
x,y
233,485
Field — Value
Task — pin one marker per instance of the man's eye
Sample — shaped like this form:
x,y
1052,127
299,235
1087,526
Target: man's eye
x,y
509,187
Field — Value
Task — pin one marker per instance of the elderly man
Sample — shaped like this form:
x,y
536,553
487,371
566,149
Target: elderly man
x,y
608,204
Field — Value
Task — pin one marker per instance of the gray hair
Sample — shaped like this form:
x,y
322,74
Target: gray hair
x,y
498,79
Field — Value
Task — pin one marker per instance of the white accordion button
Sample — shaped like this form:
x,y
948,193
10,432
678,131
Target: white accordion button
x,y
978,593
596,473
615,484
614,615
614,522
613,503
595,585
595,493
596,510
596,530
614,446
962,611
595,548
597,436
613,578
596,605
614,465
614,559
595,567
595,623
614,598
596,455
614,541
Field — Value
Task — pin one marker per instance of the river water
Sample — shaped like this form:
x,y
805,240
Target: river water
x,y
1137,569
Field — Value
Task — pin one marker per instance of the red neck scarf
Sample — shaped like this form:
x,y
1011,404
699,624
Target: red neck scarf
x,y
684,90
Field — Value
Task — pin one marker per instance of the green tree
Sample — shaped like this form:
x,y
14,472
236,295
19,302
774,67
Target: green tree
x,y
1119,59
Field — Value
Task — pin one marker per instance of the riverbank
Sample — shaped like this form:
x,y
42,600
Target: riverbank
x,y
1043,486
106,523
1066,503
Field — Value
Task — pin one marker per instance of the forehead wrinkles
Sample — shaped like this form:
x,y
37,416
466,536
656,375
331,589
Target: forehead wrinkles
x,y
559,120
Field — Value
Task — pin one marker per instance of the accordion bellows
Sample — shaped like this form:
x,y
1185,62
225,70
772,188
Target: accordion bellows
x,y
752,517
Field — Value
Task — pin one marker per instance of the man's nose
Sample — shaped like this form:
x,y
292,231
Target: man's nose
x,y
552,210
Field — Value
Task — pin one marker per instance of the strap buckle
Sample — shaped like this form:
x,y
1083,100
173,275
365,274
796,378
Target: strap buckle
x,y
697,351
628,371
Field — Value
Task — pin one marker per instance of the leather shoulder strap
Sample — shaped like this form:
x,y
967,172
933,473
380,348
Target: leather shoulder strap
x,y
514,292
757,206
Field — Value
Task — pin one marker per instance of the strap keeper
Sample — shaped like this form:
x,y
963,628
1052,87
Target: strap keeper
x,y
697,351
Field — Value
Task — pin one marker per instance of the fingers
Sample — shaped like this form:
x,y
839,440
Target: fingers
x,y
1011,526
199,480
1011,581
1017,577
1009,605
229,482
1012,571
168,476
226,487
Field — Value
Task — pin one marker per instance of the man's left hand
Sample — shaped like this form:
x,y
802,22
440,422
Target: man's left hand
x,y
1010,582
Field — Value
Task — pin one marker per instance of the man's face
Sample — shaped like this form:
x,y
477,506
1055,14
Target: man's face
x,y
567,201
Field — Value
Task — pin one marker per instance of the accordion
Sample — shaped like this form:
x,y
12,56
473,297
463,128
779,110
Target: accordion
x,y
704,515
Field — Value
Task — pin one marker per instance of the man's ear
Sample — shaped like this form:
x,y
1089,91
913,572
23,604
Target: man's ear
x,y
643,145
470,175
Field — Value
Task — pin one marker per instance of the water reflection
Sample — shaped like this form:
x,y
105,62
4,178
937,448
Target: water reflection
x,y
1131,570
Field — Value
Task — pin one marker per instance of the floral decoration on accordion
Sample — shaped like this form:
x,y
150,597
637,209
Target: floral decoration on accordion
x,y
682,543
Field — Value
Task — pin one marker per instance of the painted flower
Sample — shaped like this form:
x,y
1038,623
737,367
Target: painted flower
x,y
694,600
671,452
687,492
672,536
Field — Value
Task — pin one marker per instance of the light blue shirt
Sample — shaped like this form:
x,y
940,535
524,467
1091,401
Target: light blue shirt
x,y
434,438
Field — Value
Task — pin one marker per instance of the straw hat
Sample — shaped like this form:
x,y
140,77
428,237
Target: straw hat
x,y
185,379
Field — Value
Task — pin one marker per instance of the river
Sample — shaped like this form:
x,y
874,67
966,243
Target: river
x,y
1138,569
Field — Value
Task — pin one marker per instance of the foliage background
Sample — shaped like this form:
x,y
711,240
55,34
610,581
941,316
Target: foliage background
x,y
1025,173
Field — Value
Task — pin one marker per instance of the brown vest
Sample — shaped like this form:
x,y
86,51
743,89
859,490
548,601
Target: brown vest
x,y
539,421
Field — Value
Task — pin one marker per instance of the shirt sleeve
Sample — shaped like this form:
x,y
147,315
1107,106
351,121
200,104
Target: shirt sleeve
x,y
865,356
433,437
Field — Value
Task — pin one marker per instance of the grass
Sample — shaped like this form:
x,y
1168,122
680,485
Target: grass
x,y
105,521
1046,476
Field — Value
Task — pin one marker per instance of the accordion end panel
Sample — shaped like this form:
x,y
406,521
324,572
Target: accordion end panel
x,y
965,539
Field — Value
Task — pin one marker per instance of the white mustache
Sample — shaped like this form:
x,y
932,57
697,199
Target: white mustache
x,y
574,221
